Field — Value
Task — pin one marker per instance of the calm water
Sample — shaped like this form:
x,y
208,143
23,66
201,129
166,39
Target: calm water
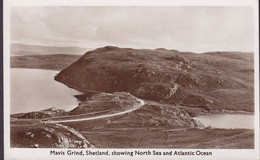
x,y
35,89
227,121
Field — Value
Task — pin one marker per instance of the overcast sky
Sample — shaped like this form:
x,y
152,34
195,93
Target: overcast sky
x,y
196,29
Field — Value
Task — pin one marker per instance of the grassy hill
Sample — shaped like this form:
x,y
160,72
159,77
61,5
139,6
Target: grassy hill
x,y
214,80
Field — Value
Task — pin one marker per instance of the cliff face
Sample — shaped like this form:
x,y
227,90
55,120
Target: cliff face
x,y
216,80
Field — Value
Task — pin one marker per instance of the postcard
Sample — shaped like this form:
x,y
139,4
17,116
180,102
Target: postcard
x,y
131,79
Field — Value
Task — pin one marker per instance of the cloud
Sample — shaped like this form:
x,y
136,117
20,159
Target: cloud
x,y
183,28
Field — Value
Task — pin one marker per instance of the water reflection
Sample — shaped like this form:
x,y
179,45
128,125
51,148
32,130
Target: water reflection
x,y
227,121
35,89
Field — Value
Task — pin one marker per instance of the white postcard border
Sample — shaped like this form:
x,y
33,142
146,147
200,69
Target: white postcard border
x,y
19,153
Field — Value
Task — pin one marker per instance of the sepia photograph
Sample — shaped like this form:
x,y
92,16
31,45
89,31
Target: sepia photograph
x,y
132,77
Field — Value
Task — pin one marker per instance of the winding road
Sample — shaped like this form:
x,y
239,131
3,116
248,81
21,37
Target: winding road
x,y
137,105
134,107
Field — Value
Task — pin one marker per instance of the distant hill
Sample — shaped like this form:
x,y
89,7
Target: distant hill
x,y
50,62
25,49
215,80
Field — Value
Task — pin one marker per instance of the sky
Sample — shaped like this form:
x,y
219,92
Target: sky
x,y
196,29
